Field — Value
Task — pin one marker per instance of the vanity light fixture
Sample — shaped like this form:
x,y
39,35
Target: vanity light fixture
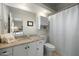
x,y
29,23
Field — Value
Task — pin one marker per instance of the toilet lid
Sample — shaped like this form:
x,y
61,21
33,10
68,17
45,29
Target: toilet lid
x,y
49,45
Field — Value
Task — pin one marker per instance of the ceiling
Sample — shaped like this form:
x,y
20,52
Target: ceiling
x,y
43,9
59,6
31,7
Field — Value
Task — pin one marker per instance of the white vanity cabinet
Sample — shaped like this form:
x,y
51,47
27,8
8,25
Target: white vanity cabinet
x,y
36,48
20,50
6,52
32,48
25,49
28,49
40,48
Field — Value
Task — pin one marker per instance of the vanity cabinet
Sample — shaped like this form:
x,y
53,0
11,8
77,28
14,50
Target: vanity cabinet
x,y
32,49
20,50
29,49
39,48
6,52
25,50
36,48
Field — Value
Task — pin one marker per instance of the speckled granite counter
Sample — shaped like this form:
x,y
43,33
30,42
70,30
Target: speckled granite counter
x,y
21,40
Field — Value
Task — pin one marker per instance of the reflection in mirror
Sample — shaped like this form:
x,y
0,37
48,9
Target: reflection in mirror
x,y
17,26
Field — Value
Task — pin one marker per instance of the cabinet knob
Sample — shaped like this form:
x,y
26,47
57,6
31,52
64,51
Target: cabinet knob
x,y
25,47
4,52
37,48
28,47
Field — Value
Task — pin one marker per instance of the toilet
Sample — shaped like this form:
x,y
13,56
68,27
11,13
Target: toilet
x,y
49,49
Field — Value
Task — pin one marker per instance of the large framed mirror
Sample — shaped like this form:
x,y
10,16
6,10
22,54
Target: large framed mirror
x,y
16,22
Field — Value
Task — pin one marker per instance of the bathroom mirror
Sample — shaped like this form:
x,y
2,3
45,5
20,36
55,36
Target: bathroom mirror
x,y
16,22
17,26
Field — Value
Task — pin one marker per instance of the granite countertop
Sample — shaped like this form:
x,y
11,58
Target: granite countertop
x,y
20,40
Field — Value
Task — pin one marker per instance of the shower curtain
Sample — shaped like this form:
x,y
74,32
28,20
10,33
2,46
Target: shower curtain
x,y
64,31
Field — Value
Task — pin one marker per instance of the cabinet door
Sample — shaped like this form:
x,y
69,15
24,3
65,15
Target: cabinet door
x,y
20,50
32,49
6,52
44,20
39,48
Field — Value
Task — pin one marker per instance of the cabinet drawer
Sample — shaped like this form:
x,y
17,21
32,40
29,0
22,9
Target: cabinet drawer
x,y
20,50
6,52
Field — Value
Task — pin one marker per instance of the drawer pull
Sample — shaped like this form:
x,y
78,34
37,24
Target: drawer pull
x,y
25,47
37,48
4,52
28,47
